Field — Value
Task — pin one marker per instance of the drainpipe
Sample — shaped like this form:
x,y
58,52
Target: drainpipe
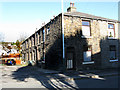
x,y
63,37
44,46
119,35
44,43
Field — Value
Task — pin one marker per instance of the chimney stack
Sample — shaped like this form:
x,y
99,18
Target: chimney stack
x,y
71,8
53,16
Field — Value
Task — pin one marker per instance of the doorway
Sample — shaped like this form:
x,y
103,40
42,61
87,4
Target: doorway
x,y
70,64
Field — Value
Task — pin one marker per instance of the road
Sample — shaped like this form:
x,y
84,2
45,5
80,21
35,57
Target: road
x,y
29,77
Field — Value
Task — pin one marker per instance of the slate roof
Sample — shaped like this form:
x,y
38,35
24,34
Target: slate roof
x,y
85,15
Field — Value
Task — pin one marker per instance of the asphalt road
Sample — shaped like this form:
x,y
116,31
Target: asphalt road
x,y
108,82
28,77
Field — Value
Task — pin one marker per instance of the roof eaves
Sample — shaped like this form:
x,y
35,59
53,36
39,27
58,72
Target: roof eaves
x,y
41,28
91,17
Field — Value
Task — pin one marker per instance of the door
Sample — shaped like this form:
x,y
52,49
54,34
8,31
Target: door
x,y
69,60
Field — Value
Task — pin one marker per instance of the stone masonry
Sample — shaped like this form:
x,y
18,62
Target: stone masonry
x,y
44,47
44,44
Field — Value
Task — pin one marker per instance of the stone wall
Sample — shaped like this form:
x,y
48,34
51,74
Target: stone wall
x,y
98,41
35,48
53,44
105,43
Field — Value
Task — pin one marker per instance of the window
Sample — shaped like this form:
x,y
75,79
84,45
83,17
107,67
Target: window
x,y
110,26
40,36
48,30
34,40
87,53
86,48
37,37
85,28
112,52
43,35
85,23
111,30
30,42
26,44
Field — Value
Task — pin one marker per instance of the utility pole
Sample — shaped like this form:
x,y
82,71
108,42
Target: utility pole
x,y
64,67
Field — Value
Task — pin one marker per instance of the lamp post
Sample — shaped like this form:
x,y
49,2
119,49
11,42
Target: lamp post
x,y
63,48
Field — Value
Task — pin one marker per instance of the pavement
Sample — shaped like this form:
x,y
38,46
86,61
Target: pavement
x,y
85,74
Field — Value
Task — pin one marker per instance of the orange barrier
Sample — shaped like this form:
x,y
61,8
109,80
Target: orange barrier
x,y
18,62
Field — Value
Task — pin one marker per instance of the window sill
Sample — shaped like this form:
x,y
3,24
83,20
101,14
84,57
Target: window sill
x,y
112,38
48,34
86,36
38,44
43,61
91,62
114,60
42,42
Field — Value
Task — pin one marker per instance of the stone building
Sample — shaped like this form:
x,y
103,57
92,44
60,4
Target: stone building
x,y
74,40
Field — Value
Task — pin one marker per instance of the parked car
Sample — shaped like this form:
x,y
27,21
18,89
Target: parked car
x,y
11,62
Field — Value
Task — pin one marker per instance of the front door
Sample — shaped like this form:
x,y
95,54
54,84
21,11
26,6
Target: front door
x,y
69,60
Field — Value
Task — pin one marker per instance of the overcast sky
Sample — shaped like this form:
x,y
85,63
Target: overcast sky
x,y
24,17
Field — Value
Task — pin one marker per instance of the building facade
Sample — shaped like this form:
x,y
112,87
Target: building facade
x,y
45,45
89,42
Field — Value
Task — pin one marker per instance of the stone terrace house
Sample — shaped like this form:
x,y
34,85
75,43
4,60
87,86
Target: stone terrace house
x,y
89,42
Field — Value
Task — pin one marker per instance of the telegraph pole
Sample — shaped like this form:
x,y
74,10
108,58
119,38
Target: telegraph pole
x,y
63,48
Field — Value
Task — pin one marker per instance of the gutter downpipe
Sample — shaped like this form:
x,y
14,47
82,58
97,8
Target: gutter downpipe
x,y
63,38
118,35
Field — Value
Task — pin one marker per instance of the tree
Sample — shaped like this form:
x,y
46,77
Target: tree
x,y
13,43
5,45
18,44
22,36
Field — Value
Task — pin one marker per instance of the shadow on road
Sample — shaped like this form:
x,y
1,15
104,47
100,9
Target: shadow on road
x,y
47,80
55,81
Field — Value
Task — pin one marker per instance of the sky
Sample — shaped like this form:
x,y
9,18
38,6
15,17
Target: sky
x,y
24,17
17,18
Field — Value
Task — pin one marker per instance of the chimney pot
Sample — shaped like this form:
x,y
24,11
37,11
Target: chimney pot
x,y
71,8
53,16
70,4
73,4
